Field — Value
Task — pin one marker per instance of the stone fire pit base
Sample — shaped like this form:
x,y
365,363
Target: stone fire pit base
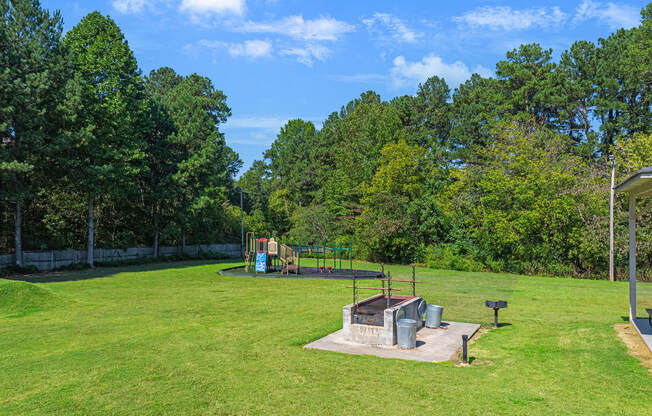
x,y
433,345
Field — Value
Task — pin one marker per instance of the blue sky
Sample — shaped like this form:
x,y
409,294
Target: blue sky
x,y
282,59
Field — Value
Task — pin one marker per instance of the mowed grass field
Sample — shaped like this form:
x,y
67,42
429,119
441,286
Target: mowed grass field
x,y
182,339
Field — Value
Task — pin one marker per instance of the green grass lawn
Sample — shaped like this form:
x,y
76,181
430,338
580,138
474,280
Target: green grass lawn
x,y
182,339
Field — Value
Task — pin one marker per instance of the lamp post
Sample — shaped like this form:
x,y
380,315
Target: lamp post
x,y
612,160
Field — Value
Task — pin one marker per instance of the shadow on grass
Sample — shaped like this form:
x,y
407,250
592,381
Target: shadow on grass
x,y
101,272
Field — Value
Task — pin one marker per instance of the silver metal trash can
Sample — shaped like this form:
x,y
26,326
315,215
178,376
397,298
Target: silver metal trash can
x,y
406,333
433,316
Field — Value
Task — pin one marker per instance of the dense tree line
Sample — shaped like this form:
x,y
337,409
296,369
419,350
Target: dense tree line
x,y
506,173
93,153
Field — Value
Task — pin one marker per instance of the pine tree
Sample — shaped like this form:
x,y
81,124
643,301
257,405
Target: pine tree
x,y
110,158
32,79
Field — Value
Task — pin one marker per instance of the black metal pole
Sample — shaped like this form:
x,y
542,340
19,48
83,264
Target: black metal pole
x,y
354,289
465,338
389,289
414,289
495,317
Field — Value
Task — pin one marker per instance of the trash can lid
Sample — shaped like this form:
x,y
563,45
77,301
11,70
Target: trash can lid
x,y
421,309
407,322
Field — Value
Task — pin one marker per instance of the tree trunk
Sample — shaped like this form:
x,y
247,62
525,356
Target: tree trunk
x,y
91,230
19,233
183,240
156,230
587,126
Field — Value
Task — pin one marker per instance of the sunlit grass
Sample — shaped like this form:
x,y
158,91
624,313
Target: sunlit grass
x,y
183,339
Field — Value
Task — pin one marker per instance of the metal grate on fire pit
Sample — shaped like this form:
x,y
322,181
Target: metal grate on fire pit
x,y
372,311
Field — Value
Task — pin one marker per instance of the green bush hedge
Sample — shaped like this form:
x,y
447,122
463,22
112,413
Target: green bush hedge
x,y
14,269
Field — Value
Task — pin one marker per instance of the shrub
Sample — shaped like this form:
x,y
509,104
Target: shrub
x,y
450,257
15,269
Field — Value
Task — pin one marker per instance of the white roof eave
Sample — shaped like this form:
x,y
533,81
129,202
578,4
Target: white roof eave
x,y
639,184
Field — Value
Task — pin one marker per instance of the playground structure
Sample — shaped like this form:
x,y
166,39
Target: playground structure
x,y
265,255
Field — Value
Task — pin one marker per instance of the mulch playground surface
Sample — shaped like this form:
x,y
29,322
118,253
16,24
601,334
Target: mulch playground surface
x,y
307,273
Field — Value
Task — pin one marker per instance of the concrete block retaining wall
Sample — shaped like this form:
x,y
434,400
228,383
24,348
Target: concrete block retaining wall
x,y
54,259
379,335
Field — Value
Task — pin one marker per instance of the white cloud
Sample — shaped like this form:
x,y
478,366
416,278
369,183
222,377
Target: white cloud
x,y
196,7
321,29
249,48
405,73
506,18
270,123
615,16
254,138
307,54
388,27
308,35
258,130
273,123
129,6
359,78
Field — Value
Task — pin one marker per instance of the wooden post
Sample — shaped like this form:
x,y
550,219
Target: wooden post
x,y
632,257
299,258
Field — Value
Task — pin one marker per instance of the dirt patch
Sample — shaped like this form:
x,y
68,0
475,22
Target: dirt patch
x,y
635,345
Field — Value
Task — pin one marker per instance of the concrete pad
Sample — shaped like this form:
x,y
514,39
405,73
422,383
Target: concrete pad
x,y
433,345
645,330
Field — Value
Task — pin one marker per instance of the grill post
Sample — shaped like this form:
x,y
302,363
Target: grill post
x,y
495,305
414,284
389,289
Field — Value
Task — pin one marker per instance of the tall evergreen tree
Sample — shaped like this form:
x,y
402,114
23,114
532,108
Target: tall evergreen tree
x,y
109,159
475,107
294,143
163,153
528,81
32,75
197,109
434,111
577,72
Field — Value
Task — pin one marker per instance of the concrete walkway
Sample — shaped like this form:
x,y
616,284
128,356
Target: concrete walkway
x,y
645,330
433,345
